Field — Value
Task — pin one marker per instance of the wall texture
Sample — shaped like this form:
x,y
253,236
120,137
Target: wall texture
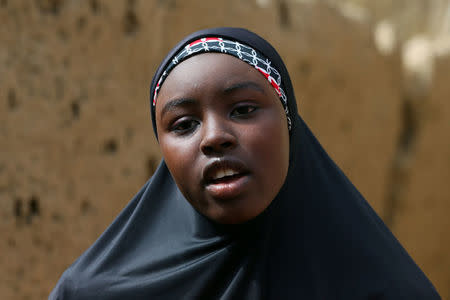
x,y
76,141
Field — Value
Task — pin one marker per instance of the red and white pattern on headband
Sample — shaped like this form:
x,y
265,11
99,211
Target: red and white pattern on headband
x,y
208,39
271,80
234,48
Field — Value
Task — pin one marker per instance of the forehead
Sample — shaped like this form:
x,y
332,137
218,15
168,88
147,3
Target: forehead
x,y
203,70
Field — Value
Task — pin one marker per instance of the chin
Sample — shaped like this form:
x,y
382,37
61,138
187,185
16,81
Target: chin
x,y
230,218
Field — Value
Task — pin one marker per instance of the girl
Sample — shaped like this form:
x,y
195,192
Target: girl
x,y
246,204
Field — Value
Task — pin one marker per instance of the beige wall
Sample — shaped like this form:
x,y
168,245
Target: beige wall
x,y
76,141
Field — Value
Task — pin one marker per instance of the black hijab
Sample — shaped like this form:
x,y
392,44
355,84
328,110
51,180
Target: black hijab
x,y
318,239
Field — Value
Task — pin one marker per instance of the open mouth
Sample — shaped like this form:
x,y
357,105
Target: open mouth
x,y
222,170
225,178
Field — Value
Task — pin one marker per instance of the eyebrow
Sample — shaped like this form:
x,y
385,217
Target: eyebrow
x,y
186,102
175,103
244,85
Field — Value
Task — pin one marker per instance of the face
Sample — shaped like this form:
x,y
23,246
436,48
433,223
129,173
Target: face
x,y
223,135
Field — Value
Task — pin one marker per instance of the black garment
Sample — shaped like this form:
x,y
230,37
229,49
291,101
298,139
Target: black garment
x,y
319,238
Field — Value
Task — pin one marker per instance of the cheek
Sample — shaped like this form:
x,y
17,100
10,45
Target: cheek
x,y
178,157
270,146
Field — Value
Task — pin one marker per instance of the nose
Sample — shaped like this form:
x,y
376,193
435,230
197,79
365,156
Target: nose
x,y
217,137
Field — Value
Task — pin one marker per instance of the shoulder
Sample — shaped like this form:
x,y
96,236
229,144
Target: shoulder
x,y
65,288
410,290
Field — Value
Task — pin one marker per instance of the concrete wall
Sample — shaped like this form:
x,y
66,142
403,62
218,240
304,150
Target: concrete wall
x,y
76,141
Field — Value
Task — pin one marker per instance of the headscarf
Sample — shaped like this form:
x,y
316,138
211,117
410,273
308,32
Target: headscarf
x,y
318,239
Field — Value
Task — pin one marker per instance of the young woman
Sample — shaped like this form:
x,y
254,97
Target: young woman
x,y
246,204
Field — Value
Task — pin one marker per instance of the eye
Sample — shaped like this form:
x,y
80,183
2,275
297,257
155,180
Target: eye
x,y
184,126
243,110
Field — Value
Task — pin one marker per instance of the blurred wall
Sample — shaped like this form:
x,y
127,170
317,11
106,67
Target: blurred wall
x,y
76,140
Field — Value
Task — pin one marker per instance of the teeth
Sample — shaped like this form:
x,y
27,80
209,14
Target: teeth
x,y
229,172
224,173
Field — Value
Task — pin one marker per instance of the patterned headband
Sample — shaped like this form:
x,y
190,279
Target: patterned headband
x,y
236,49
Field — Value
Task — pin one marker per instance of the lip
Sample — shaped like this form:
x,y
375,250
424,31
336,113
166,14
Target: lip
x,y
230,187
